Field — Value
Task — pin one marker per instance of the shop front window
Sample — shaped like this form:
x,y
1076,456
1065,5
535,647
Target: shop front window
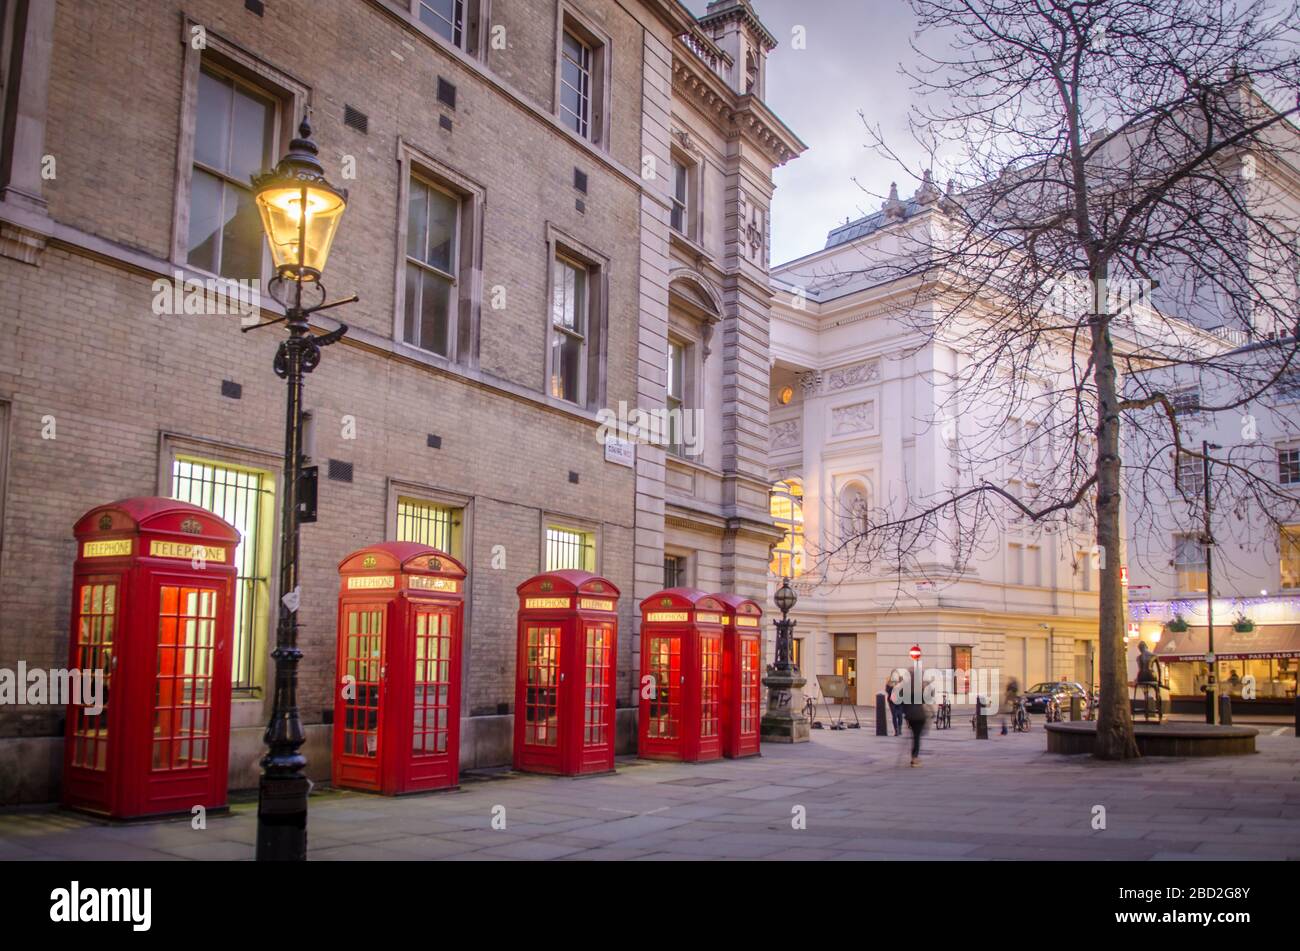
x,y
1244,679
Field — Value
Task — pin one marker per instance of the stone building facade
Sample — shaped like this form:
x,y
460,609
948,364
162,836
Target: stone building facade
x,y
521,270
858,400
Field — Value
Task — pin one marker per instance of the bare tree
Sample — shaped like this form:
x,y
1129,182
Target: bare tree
x,y
1124,215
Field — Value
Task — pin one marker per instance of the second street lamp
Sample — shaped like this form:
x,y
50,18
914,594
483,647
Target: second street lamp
x,y
300,212
1207,539
782,723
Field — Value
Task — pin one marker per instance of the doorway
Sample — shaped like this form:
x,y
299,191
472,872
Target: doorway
x,y
846,661
1084,663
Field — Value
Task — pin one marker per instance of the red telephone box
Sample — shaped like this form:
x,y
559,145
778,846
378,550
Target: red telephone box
x,y
742,652
397,706
152,588
681,651
564,674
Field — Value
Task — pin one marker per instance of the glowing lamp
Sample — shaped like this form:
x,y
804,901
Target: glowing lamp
x,y
300,210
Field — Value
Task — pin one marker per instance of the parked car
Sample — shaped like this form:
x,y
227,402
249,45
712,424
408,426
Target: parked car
x,y
1036,696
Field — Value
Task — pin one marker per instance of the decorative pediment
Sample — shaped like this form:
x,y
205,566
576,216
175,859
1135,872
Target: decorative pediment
x,y
693,289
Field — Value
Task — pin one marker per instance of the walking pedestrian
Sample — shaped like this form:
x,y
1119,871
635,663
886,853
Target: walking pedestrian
x,y
1009,702
917,714
891,696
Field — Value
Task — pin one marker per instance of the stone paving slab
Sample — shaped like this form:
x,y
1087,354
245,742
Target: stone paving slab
x,y
1004,798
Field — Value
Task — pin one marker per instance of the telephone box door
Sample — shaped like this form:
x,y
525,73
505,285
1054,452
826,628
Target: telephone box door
x,y
434,759
663,732
710,694
541,652
182,696
750,695
95,633
598,687
363,650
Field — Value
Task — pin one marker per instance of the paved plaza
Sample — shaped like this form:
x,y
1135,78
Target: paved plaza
x,y
1004,798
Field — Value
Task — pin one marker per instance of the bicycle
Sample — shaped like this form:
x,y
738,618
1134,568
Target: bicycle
x,y
1052,709
1020,716
943,715
810,712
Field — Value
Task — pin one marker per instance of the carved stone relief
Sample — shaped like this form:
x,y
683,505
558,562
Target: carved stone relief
x,y
854,418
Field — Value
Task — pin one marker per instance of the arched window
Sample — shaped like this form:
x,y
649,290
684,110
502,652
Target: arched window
x,y
787,513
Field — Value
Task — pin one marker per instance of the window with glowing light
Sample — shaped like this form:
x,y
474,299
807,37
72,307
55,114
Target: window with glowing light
x,y
245,498
1290,552
787,512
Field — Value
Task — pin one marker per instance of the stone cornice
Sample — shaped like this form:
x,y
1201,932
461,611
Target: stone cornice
x,y
740,11
733,114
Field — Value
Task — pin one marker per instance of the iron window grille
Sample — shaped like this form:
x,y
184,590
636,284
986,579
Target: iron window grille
x,y
674,571
427,523
568,548
244,498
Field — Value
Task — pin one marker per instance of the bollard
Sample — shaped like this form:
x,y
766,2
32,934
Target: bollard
x,y
981,720
882,716
1225,709
1076,708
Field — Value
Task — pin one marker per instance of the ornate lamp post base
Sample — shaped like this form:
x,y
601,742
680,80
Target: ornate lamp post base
x,y
782,723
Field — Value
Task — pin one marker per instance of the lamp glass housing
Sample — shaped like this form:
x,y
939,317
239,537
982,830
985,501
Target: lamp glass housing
x,y
785,597
300,220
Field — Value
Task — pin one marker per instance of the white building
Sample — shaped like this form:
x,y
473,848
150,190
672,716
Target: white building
x,y
869,414
1254,563
858,422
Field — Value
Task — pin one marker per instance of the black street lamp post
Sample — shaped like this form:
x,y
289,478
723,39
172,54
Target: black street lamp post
x,y
783,723
300,213
785,600
1207,539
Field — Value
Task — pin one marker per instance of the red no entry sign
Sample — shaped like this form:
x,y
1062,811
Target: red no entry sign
x,y
915,652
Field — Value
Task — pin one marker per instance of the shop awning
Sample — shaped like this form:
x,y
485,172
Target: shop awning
x,y
1264,642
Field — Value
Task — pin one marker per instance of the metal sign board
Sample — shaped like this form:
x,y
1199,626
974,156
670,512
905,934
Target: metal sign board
x,y
833,686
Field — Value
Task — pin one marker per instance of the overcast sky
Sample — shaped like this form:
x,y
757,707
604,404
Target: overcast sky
x,y
850,64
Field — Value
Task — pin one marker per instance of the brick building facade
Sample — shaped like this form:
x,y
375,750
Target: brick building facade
x,y
522,265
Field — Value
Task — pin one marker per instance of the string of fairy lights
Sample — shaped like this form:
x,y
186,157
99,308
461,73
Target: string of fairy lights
x,y
1237,608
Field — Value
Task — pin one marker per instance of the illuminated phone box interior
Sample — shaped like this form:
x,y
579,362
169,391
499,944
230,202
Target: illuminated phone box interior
x,y
681,676
152,624
397,692
565,674
742,673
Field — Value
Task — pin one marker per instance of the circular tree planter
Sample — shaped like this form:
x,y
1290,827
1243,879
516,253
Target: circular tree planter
x,y
1168,739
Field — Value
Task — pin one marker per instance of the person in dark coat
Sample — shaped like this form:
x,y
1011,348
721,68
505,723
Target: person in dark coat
x,y
895,708
916,715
